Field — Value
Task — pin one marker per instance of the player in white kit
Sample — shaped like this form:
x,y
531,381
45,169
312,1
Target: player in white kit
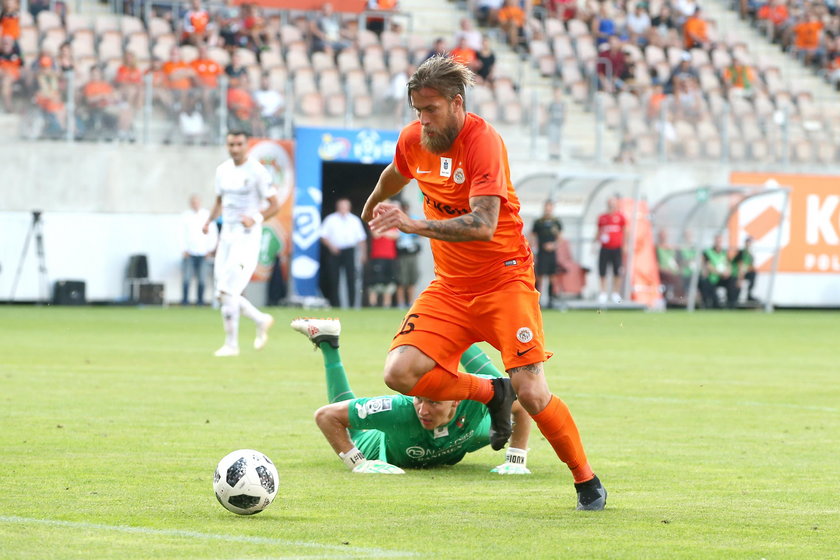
x,y
243,187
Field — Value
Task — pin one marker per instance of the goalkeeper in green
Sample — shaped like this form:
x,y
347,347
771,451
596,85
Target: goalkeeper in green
x,y
383,434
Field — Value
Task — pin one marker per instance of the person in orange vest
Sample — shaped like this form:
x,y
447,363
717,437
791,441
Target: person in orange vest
x,y
739,77
11,62
696,31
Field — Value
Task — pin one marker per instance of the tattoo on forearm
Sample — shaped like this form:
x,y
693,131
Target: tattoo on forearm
x,y
533,369
469,227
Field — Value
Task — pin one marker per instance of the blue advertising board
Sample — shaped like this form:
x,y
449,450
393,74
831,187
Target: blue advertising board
x,y
313,147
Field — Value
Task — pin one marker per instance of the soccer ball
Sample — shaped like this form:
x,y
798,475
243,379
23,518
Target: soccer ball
x,y
245,482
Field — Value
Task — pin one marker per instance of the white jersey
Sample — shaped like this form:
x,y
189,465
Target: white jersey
x,y
243,189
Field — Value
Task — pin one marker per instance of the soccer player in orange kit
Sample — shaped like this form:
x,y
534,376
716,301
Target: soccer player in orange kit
x,y
484,271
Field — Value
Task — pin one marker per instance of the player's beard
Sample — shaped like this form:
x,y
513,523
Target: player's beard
x,y
443,138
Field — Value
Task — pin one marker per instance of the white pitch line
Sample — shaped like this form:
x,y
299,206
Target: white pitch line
x,y
342,550
671,400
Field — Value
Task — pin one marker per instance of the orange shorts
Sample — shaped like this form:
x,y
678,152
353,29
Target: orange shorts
x,y
444,321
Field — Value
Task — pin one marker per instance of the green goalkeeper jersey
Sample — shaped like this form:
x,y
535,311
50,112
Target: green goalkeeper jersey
x,y
395,434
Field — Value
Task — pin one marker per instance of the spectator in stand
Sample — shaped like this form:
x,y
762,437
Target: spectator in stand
x,y
271,106
192,126
129,81
179,77
612,67
638,24
684,9
717,273
807,41
325,31
438,49
206,72
563,10
487,12
242,109
464,54
486,62
48,95
512,21
11,63
664,28
468,32
382,273
654,103
696,31
739,78
833,67
105,110
681,71
160,89
65,58
10,19
688,100
377,23
253,28
229,23
195,25
235,69
603,25
775,16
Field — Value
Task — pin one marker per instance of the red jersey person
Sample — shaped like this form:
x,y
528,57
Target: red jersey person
x,y
611,239
382,280
484,276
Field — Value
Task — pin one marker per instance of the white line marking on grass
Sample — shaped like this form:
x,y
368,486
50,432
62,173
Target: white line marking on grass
x,y
670,400
341,550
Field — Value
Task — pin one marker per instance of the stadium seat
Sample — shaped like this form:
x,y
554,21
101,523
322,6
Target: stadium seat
x,y
366,39
278,78
373,59
362,106
158,27
553,27
82,44
577,28
585,49
329,82
76,22
304,81
247,56
391,40
297,59
28,41
106,22
721,59
290,34
380,83
503,90
826,152
131,24
138,43
269,58
356,83
513,113
348,60
397,60
322,61
478,95
561,45
219,55
189,53
489,110
48,20
335,104
654,55
52,41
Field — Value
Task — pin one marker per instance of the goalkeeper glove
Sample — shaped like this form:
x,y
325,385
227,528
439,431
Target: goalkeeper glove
x,y
515,460
356,462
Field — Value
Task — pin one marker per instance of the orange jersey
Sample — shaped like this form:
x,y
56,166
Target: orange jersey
x,y
10,25
199,20
475,165
465,56
126,75
808,34
512,13
169,68
207,71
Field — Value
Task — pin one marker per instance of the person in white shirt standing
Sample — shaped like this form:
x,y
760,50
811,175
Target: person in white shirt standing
x,y
243,187
197,248
341,233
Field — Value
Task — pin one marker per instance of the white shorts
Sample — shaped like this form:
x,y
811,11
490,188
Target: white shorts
x,y
236,258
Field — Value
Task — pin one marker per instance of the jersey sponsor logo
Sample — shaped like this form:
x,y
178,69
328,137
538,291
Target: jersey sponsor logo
x,y
446,167
524,334
419,171
441,431
459,176
373,406
415,452
445,207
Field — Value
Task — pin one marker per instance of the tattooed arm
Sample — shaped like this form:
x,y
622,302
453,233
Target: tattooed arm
x,y
478,225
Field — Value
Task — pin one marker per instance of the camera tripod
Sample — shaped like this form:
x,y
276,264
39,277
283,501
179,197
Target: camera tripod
x,y
36,229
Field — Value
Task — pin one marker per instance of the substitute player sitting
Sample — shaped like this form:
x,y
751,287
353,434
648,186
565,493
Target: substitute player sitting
x,y
382,434
245,197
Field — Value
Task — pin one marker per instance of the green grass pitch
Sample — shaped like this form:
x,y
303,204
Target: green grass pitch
x,y
716,434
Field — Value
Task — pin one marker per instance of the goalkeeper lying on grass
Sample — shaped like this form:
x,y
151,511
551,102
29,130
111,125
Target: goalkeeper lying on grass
x,y
382,434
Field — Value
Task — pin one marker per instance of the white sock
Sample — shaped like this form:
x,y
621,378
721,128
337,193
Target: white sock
x,y
230,319
247,308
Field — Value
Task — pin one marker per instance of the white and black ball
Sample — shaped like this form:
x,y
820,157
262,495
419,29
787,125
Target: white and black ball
x,y
245,482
